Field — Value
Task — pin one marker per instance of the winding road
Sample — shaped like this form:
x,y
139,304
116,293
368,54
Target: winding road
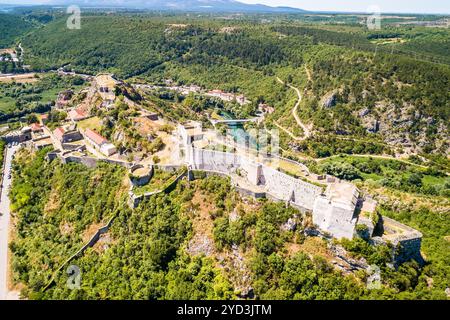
x,y
306,130
5,217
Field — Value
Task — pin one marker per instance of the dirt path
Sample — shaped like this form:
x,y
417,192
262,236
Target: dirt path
x,y
289,133
308,73
384,157
306,130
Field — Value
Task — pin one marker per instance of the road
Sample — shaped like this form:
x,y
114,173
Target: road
x,y
5,217
306,131
375,156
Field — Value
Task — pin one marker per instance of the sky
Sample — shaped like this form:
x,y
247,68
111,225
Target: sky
x,y
390,6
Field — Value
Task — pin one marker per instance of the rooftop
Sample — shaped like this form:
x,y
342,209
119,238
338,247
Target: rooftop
x,y
344,193
36,127
77,114
59,133
95,137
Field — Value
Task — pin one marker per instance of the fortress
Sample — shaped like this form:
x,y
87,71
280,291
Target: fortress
x,y
333,210
337,207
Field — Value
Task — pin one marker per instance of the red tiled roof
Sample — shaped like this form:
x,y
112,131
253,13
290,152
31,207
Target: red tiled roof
x,y
59,133
77,114
216,91
36,127
95,137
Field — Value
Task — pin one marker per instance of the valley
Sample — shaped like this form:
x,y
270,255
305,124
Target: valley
x,y
224,157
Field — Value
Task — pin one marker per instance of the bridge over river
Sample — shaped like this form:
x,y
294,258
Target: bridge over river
x,y
232,121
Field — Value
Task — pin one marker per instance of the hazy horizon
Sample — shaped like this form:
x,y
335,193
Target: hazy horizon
x,y
385,6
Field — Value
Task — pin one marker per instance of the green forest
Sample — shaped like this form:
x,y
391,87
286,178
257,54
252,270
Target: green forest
x,y
406,93
145,254
17,100
11,28
367,98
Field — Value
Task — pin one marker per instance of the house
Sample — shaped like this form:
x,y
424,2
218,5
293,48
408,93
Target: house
x,y
78,115
44,118
67,135
25,134
36,128
105,84
59,134
100,143
190,131
42,143
37,132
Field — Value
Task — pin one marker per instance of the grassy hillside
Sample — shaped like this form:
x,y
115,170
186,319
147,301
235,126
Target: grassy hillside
x,y
20,99
200,241
393,84
11,28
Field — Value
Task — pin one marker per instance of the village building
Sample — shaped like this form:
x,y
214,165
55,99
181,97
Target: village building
x,y
100,143
44,119
43,143
25,134
78,115
67,135
36,128
105,85
39,137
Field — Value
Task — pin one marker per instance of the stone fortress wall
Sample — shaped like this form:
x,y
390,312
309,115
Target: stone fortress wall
x,y
277,184
335,210
140,175
332,212
406,240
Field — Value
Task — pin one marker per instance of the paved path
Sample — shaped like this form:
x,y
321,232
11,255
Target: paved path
x,y
5,216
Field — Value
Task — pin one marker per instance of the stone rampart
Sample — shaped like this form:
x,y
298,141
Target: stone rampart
x,y
279,185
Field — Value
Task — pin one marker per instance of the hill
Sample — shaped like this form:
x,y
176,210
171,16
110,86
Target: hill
x,y
202,240
11,27
384,98
181,5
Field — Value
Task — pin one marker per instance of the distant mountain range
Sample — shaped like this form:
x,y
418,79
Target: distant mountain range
x,y
178,5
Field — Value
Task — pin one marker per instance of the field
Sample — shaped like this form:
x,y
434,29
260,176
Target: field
x,y
93,123
19,78
390,173
36,93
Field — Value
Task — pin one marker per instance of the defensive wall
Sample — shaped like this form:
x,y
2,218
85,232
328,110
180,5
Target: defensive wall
x,y
279,185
